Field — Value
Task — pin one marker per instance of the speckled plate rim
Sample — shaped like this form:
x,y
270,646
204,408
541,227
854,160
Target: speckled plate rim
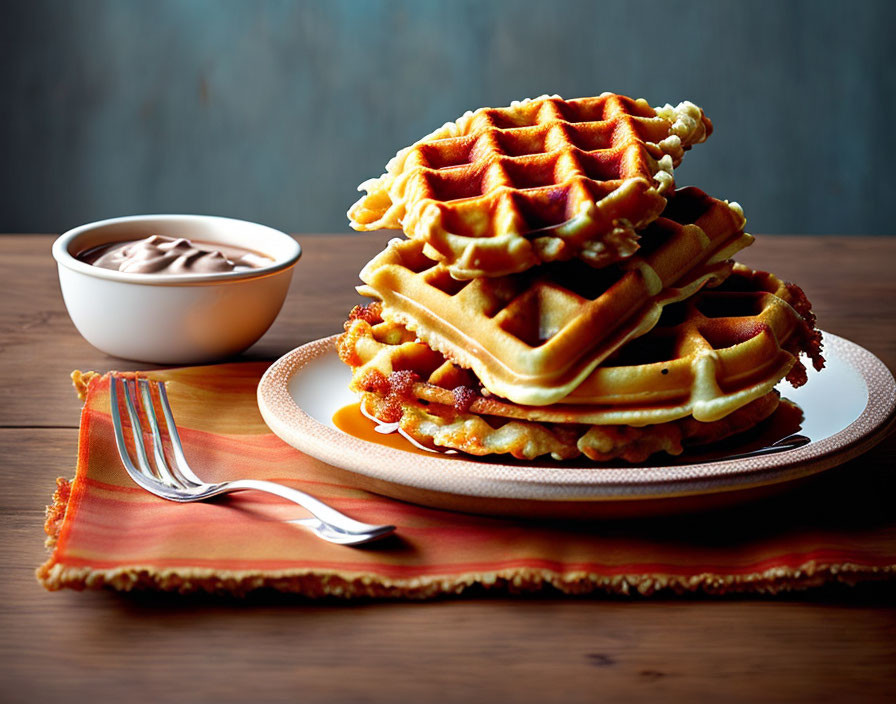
x,y
524,481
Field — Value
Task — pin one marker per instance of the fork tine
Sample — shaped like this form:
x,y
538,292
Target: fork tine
x,y
137,429
180,461
162,469
142,473
119,430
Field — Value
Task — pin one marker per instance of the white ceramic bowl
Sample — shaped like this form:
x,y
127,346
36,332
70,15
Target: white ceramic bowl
x,y
181,318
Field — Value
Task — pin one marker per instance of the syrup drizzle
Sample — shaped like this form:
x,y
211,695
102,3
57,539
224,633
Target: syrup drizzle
x,y
384,428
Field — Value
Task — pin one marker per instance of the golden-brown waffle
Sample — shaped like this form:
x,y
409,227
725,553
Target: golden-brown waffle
x,y
712,353
708,356
445,428
437,405
534,337
502,189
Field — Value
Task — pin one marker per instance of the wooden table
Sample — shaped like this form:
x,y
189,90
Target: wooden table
x,y
835,644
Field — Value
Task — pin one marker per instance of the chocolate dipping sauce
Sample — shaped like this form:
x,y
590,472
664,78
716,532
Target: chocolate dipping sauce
x,y
168,256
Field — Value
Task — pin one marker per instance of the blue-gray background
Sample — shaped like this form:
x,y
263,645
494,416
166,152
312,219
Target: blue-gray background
x,y
275,110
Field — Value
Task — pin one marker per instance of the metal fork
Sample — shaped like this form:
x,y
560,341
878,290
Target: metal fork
x,y
177,482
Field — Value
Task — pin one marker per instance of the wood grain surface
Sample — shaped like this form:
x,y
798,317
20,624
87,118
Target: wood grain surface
x,y
833,644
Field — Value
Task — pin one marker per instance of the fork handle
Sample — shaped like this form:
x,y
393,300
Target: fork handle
x,y
318,509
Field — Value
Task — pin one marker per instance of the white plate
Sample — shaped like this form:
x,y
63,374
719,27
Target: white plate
x,y
848,407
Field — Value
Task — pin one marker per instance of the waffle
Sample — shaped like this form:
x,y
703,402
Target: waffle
x,y
503,189
707,357
440,405
445,428
534,337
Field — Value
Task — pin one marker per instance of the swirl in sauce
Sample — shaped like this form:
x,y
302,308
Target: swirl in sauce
x,y
169,256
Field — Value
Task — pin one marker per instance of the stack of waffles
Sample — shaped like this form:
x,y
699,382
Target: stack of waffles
x,y
556,295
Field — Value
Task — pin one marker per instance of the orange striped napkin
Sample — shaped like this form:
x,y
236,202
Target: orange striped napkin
x,y
104,531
